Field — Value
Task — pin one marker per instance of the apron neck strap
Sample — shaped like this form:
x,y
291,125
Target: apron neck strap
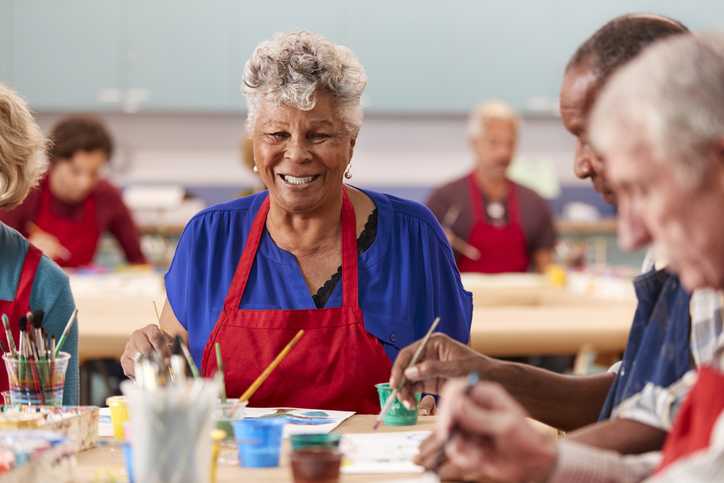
x,y
476,200
350,280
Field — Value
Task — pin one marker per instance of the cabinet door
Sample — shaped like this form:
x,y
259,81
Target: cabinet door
x,y
179,53
66,54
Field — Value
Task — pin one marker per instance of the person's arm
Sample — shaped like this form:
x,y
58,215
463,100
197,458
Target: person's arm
x,y
124,229
562,401
51,294
624,436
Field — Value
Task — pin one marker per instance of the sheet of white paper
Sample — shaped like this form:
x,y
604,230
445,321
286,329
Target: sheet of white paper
x,y
304,421
366,453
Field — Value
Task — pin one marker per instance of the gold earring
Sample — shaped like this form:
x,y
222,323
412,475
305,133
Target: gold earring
x,y
348,173
255,169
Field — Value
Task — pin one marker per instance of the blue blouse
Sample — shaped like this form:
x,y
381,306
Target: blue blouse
x,y
407,277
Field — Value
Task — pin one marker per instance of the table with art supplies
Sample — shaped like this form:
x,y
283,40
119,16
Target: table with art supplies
x,y
171,425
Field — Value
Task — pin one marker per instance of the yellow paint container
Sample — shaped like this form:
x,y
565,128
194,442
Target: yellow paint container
x,y
119,416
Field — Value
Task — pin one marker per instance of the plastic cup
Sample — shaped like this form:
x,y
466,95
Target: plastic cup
x,y
119,416
226,413
398,415
38,382
316,464
259,441
324,440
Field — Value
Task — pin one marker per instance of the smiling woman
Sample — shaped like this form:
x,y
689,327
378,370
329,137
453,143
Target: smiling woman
x,y
363,273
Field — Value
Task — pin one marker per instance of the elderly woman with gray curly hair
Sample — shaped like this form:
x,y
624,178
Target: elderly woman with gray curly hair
x,y
362,273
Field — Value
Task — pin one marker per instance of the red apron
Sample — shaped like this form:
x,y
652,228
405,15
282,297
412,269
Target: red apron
x,y
697,416
20,305
334,366
79,236
502,248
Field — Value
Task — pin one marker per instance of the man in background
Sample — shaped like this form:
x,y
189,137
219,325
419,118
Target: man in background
x,y
494,225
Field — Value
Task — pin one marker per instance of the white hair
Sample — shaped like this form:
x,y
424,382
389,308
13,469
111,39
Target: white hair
x,y
488,111
669,100
21,146
292,67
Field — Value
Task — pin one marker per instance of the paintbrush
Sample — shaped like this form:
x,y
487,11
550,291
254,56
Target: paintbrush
x,y
66,331
220,370
36,320
392,397
189,360
270,368
473,379
178,362
9,336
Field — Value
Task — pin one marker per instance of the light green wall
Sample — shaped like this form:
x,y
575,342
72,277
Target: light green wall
x,y
187,55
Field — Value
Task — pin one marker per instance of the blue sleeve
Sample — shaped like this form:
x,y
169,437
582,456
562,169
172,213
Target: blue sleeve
x,y
441,292
51,294
177,279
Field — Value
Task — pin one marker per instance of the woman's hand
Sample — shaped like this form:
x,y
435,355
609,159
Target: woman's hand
x,y
145,341
492,437
48,244
442,359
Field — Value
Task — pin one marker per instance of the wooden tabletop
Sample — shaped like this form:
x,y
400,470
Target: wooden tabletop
x,y
106,459
507,320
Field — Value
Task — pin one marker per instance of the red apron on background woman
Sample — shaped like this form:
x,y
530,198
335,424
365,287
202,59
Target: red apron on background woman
x,y
502,248
336,363
20,305
79,235
697,417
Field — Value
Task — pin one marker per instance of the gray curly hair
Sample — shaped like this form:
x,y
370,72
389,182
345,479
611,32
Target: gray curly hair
x,y
292,67
21,144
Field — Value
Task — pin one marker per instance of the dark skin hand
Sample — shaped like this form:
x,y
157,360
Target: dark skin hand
x,y
561,401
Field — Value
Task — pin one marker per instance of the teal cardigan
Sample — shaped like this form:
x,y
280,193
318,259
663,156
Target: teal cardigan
x,y
51,294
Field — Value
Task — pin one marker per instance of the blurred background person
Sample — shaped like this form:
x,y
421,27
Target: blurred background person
x,y
74,204
494,224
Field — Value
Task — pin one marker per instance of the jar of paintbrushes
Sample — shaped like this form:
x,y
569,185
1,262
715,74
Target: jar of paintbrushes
x,y
36,366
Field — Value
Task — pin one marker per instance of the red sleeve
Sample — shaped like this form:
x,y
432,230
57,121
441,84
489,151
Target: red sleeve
x,y
19,218
120,223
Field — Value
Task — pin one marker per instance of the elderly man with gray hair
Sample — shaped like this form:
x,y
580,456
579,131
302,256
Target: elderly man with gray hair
x,y
494,225
659,126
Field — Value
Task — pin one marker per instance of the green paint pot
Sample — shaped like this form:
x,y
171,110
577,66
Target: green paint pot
x,y
398,415
330,440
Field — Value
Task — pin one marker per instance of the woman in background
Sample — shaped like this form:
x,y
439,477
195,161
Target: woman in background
x,y
74,204
29,281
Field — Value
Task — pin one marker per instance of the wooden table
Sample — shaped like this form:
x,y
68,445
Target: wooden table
x,y
105,458
507,321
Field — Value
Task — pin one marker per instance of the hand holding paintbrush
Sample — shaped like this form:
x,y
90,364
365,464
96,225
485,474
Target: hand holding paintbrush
x,y
391,399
